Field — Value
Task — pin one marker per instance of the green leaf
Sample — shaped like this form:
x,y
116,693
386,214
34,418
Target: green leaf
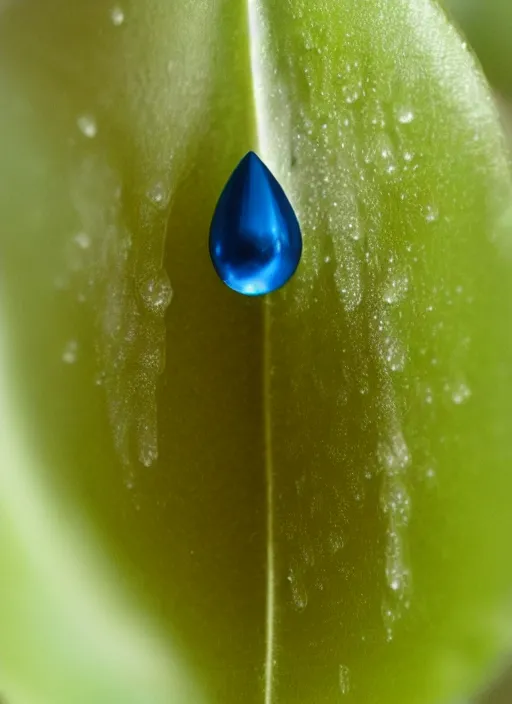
x,y
298,499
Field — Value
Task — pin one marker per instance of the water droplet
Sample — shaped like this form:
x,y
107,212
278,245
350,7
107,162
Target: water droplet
x,y
396,289
83,240
255,238
395,500
430,473
431,213
393,454
70,352
405,116
117,16
298,588
335,543
87,126
157,293
351,93
344,679
159,195
395,354
460,394
389,617
129,482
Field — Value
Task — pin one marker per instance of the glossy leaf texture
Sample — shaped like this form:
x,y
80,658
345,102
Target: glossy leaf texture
x,y
303,499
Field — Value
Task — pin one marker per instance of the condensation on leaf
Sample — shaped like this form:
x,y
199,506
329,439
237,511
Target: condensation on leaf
x,y
351,148
130,342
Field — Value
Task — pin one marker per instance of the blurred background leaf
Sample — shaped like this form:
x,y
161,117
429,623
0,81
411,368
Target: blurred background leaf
x,y
488,27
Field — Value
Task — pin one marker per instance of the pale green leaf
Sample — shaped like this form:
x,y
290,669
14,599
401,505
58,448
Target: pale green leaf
x,y
300,499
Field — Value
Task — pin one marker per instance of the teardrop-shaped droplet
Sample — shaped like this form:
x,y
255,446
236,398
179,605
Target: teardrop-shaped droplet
x,y
255,238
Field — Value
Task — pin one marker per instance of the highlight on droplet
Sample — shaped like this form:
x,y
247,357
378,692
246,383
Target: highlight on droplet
x,y
255,237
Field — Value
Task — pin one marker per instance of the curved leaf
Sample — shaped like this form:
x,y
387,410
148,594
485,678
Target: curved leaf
x,y
310,494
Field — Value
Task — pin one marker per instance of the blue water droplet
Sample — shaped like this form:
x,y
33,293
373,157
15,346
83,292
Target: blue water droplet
x,y
255,238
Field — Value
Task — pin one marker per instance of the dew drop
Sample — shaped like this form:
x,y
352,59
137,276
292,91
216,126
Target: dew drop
x,y
130,481
298,589
396,289
395,501
70,352
87,126
393,454
335,543
430,473
156,293
83,240
344,679
117,16
431,213
159,195
460,394
350,93
395,354
405,116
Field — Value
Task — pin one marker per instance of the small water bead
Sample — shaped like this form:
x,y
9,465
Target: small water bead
x,y
298,589
70,353
87,126
159,195
405,116
344,679
351,93
397,574
129,482
393,454
396,289
336,543
430,473
117,16
460,394
82,240
157,293
431,213
148,452
395,354
395,501
389,617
